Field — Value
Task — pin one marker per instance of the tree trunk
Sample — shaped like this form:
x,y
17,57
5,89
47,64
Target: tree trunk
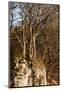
x,y
34,44
24,42
31,44
31,55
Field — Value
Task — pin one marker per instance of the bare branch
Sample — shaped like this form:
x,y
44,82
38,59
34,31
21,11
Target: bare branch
x,y
19,40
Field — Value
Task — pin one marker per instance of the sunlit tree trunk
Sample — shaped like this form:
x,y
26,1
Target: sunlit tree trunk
x,y
24,42
31,44
34,47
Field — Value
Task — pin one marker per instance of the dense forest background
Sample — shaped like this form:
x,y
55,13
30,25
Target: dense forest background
x,y
34,40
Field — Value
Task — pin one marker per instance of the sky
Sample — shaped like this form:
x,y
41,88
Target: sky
x,y
16,12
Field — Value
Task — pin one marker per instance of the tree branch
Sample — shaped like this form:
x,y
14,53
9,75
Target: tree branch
x,y
19,40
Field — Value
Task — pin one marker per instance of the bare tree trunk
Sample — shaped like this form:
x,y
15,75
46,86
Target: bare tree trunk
x,y
31,55
34,44
31,44
24,41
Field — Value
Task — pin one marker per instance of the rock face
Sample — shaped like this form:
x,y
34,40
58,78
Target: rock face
x,y
23,74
